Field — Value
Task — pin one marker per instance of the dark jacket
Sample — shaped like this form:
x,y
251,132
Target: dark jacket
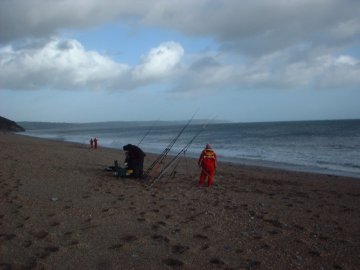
x,y
135,152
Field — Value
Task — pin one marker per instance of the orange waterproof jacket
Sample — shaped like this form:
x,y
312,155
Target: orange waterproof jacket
x,y
208,160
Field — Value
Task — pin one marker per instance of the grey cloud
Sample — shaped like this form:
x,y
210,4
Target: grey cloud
x,y
248,27
276,71
204,63
65,45
285,43
38,18
260,27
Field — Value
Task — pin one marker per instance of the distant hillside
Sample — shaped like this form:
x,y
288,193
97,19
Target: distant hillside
x,y
115,124
8,125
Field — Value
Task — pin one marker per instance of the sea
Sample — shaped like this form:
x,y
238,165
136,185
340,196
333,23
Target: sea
x,y
329,147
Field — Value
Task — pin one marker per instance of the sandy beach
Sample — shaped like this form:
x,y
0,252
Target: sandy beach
x,y
59,209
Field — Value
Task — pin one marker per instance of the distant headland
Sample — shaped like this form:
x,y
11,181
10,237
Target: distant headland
x,y
8,125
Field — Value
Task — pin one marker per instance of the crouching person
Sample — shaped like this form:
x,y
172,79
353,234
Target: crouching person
x,y
135,160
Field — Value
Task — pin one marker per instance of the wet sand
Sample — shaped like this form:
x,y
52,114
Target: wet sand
x,y
59,209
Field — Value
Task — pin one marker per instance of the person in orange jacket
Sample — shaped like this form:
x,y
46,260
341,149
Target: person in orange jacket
x,y
208,163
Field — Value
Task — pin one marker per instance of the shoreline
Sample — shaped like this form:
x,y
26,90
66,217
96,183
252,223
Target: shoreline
x,y
60,209
244,162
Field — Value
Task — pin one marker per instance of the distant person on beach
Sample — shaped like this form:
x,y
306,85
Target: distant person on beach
x,y
208,163
95,143
91,143
135,158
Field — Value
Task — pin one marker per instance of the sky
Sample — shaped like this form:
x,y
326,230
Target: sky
x,y
129,60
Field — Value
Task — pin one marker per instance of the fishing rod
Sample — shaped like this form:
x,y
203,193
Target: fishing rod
x,y
163,155
173,172
178,156
147,133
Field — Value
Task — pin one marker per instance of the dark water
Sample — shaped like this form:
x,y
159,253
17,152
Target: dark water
x,y
331,147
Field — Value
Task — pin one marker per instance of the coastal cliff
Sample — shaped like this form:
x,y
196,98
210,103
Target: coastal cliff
x,y
8,125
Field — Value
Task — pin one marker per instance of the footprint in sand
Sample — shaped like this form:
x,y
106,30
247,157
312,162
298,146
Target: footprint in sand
x,y
207,227
252,263
68,234
7,237
265,246
274,222
129,238
173,262
54,224
160,238
42,254
216,261
89,227
179,249
67,238
73,243
41,234
204,247
314,253
51,249
340,229
27,243
201,236
155,227
116,246
299,227
323,237
162,223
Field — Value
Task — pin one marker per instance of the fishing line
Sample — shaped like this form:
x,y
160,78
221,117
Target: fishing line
x,y
178,156
162,156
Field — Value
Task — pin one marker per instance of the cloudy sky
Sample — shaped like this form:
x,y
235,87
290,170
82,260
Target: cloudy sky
x,y
242,61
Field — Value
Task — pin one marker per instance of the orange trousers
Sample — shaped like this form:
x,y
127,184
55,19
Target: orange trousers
x,y
206,174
